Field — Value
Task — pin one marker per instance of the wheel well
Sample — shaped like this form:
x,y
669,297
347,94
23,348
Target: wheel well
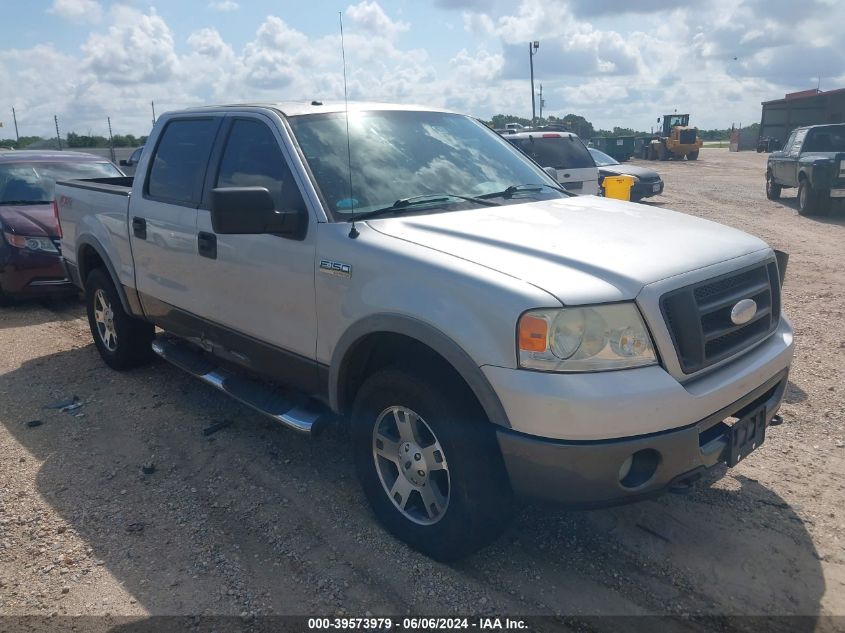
x,y
88,260
384,349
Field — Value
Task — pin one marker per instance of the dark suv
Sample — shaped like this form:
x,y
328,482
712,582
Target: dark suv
x,y
30,261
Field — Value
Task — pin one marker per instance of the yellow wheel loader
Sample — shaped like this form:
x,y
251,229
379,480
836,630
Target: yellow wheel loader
x,y
677,139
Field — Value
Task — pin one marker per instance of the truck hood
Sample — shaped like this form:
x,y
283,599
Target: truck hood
x,y
581,250
33,220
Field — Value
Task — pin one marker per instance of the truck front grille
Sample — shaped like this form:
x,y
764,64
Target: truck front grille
x,y
699,316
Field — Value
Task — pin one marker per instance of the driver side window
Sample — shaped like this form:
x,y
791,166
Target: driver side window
x,y
252,158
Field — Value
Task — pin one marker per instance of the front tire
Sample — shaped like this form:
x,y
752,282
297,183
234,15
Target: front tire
x,y
693,155
5,300
429,464
123,341
773,190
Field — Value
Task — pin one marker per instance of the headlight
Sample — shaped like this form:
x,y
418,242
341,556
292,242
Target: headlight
x,y
595,338
44,244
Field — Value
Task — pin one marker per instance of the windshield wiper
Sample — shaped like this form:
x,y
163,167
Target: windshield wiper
x,y
407,204
22,202
510,191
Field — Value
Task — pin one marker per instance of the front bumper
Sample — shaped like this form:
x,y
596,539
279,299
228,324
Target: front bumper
x,y
587,473
24,273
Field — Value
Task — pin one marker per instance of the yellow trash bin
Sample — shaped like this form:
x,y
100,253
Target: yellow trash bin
x,y
618,187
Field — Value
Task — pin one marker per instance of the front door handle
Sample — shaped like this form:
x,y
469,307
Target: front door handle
x,y
139,228
207,245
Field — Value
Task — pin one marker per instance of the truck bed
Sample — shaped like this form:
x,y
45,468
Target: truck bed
x,y
96,209
118,185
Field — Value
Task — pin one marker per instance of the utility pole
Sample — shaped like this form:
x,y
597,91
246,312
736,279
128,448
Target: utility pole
x,y
58,136
532,50
153,105
542,101
111,142
15,119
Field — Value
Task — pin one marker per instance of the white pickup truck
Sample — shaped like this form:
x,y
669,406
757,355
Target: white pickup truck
x,y
484,333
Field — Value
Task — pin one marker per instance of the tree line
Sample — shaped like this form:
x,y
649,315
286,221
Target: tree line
x,y
72,141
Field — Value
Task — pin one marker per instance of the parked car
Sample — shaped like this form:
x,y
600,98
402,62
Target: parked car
x,y
483,332
812,159
131,163
565,153
647,182
30,263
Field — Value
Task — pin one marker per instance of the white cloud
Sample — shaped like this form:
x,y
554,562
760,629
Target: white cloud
x,y
137,48
77,10
224,5
209,43
717,61
371,17
479,23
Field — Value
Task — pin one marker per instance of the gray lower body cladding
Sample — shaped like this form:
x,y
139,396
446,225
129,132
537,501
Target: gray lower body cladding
x,y
587,474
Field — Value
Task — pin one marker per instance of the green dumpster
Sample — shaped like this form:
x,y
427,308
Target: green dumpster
x,y
620,147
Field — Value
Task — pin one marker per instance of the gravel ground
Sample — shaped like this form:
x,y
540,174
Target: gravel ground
x,y
124,507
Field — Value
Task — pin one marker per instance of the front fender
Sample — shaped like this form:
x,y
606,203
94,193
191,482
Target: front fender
x,y
425,334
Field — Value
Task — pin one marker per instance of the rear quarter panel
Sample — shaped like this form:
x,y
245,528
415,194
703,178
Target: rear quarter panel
x,y
89,216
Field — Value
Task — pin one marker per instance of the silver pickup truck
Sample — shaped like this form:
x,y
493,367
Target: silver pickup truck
x,y
484,333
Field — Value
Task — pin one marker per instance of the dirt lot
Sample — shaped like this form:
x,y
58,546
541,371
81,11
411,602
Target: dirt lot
x,y
256,520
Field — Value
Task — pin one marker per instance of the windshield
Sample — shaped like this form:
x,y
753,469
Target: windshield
x,y
398,155
554,150
602,159
34,182
826,139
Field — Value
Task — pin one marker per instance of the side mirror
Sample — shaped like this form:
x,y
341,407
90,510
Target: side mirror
x,y
124,163
551,171
251,211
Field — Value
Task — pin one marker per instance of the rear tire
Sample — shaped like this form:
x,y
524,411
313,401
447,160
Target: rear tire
x,y
429,464
693,155
773,190
123,341
811,202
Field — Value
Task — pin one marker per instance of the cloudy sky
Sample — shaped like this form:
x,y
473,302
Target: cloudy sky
x,y
616,62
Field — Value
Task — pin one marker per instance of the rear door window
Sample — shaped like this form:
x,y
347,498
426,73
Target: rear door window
x,y
560,152
800,135
178,167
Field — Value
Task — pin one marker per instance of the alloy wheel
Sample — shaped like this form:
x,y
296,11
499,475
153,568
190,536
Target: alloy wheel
x,y
104,318
411,465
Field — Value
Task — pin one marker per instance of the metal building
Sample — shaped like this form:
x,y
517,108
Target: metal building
x,y
808,107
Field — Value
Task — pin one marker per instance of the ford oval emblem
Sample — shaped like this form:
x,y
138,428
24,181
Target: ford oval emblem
x,y
743,311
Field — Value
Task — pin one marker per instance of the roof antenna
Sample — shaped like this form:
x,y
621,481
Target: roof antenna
x,y
353,232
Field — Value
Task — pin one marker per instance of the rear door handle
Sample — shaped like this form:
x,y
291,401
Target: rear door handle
x,y
207,245
139,228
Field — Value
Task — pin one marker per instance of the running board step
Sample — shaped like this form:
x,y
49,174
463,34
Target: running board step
x,y
290,408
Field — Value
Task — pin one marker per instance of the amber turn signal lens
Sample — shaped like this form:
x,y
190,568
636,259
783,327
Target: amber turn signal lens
x,y
533,334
